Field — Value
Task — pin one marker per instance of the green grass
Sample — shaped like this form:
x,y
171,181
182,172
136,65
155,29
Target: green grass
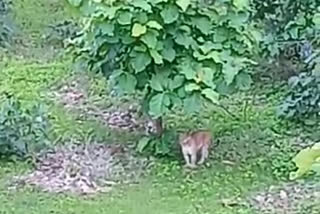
x,y
34,16
30,81
169,189
248,142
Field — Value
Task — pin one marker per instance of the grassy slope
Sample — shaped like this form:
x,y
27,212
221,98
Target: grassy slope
x,y
169,189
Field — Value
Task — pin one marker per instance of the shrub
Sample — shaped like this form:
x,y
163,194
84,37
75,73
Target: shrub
x,y
21,130
303,98
290,36
180,53
286,23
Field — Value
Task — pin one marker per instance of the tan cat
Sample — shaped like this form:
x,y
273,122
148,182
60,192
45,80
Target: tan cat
x,y
194,142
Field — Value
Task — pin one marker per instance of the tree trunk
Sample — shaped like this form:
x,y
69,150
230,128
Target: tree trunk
x,y
159,126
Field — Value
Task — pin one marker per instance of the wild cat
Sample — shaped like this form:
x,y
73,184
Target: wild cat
x,y
194,142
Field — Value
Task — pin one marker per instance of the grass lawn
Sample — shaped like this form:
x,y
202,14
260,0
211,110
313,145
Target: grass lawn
x,y
168,190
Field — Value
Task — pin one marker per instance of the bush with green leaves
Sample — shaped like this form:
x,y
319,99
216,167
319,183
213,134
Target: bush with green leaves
x,y
287,22
290,36
303,98
180,53
291,30
21,131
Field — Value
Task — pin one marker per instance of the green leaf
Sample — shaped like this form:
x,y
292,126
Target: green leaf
x,y
183,39
294,32
185,28
140,61
301,20
127,82
154,24
170,14
154,2
223,88
183,4
138,30
237,20
156,57
150,38
106,28
127,39
159,104
220,35
188,71
181,92
138,48
241,4
75,3
168,52
191,103
177,82
160,45
192,87
110,12
215,55
230,70
125,18
316,167
143,144
142,4
207,77
157,83
211,95
208,46
175,100
243,81
316,20
304,160
203,24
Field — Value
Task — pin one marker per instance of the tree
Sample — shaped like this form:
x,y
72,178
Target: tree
x,y
181,53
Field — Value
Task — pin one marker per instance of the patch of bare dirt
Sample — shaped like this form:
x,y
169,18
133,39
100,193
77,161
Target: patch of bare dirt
x,y
287,199
84,169
74,96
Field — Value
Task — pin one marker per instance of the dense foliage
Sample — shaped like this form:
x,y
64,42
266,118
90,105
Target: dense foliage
x,y
178,52
288,23
291,30
303,98
21,130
